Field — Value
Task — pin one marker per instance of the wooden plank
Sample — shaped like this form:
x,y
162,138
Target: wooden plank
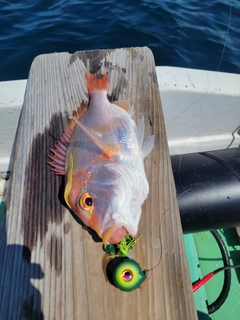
x,y
51,268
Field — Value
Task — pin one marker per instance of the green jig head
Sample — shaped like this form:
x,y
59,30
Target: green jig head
x,y
125,273
128,275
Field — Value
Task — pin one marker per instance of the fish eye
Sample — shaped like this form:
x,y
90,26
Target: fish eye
x,y
86,201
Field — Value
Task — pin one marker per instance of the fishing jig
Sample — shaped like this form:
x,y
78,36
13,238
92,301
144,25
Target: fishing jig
x,y
124,272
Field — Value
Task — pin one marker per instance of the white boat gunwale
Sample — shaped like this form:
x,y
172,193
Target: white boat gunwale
x,y
201,110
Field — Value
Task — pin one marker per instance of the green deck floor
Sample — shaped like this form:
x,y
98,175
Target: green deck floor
x,y
204,256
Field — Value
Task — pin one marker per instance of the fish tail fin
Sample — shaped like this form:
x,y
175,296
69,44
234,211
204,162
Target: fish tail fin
x,y
95,83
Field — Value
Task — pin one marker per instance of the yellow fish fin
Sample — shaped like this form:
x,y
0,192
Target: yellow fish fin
x,y
69,179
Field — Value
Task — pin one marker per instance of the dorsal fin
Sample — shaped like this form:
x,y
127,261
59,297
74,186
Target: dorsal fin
x,y
59,153
125,105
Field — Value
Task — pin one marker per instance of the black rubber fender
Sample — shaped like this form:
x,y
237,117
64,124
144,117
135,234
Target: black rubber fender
x,y
208,189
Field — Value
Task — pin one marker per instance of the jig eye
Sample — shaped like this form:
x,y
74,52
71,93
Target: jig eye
x,y
128,275
86,201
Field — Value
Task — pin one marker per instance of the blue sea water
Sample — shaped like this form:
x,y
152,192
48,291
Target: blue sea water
x,y
184,33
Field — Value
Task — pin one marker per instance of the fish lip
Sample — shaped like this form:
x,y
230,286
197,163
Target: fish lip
x,y
111,230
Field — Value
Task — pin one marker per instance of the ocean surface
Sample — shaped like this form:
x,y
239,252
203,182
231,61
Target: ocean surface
x,y
189,33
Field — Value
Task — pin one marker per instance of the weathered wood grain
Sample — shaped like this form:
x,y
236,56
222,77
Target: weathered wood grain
x,y
51,268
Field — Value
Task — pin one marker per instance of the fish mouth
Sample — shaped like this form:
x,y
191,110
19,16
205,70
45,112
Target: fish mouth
x,y
114,234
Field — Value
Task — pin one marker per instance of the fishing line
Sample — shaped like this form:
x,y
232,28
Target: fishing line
x,y
226,35
122,270
220,62
225,268
212,125
159,235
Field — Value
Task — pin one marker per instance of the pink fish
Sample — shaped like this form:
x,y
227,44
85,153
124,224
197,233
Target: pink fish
x,y
101,155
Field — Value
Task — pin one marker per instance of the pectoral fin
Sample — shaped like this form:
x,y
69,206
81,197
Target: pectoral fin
x,y
106,140
146,144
